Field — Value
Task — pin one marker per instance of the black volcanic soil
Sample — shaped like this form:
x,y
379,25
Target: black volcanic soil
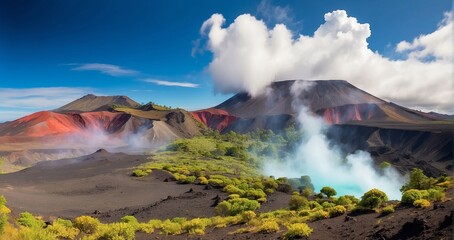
x,y
98,182
101,185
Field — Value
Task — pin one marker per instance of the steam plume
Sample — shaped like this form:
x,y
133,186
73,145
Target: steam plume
x,y
326,164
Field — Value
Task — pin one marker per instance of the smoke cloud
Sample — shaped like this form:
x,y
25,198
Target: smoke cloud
x,y
326,164
248,56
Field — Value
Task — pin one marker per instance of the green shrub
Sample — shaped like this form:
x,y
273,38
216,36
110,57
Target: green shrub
x,y
421,203
4,211
255,194
298,230
114,231
268,226
314,204
336,211
203,180
307,192
150,226
62,228
328,191
298,202
318,215
347,200
362,210
141,173
170,228
130,219
247,216
418,181
436,195
327,205
410,196
33,233
28,220
373,198
232,189
86,224
387,210
218,183
196,226
235,206
186,179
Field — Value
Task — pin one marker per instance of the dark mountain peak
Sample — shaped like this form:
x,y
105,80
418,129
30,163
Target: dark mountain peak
x,y
91,102
319,94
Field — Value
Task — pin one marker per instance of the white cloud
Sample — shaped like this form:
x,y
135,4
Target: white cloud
x,y
171,84
273,13
109,69
248,56
438,44
18,102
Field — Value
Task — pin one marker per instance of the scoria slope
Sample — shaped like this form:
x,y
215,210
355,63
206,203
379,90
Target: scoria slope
x,y
92,102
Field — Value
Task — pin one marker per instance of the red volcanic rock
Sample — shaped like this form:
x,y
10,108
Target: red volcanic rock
x,y
352,113
214,118
50,123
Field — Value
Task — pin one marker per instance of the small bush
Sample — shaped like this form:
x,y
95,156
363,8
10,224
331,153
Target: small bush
x,y
327,205
231,189
336,211
410,196
141,173
373,198
255,194
421,203
298,230
318,215
86,224
387,210
28,220
195,226
436,195
114,231
247,216
170,228
203,180
235,206
314,204
298,202
217,183
62,228
268,226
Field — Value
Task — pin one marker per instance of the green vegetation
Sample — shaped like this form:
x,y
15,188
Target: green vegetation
x,y
421,190
421,203
373,199
231,163
328,191
387,210
298,230
298,202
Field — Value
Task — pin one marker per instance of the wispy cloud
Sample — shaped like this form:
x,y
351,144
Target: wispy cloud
x,y
109,69
17,102
171,84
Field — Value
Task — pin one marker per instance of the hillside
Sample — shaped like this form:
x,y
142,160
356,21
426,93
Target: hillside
x,y
92,102
362,121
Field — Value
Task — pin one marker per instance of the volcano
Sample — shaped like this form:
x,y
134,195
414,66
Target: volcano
x,y
359,120
88,123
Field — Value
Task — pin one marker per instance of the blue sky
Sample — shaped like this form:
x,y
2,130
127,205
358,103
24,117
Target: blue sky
x,y
65,49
